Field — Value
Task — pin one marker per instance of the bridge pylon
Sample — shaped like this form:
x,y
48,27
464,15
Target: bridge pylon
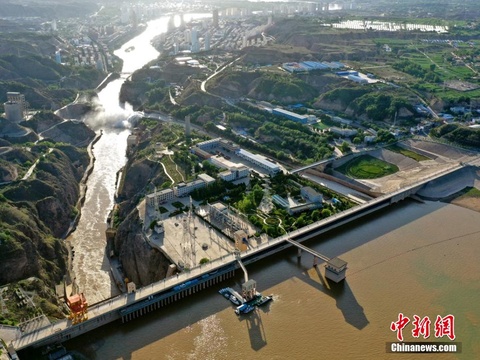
x,y
335,269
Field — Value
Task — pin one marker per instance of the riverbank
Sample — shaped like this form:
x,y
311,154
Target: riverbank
x,y
83,185
468,198
70,286
110,77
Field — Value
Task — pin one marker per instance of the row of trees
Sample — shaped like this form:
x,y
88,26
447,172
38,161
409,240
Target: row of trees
x,y
379,106
458,134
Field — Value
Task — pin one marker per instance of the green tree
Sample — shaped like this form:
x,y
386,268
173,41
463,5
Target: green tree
x,y
344,148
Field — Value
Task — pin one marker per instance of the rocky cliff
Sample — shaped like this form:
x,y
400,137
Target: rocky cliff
x,y
141,263
36,212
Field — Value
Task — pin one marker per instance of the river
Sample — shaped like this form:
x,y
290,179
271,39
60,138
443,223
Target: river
x,y
91,264
412,258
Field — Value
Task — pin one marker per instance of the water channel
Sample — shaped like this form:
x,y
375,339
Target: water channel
x,y
411,258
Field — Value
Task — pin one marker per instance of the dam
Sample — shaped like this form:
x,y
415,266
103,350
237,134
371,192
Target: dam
x,y
126,307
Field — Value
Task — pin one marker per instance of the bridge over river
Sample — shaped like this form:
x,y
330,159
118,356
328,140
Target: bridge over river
x,y
170,290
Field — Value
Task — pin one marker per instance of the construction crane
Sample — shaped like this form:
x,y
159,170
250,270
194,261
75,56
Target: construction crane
x,y
78,306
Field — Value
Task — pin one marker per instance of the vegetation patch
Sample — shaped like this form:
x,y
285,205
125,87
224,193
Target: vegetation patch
x,y
162,210
177,204
459,134
467,193
367,167
408,153
171,169
272,221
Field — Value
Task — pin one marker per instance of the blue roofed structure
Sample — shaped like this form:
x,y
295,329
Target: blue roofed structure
x,y
303,119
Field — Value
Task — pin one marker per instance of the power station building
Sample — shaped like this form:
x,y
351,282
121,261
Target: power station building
x,y
271,168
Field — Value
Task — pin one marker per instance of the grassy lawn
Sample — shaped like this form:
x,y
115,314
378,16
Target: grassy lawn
x,y
367,167
469,193
409,153
320,126
162,210
172,171
177,204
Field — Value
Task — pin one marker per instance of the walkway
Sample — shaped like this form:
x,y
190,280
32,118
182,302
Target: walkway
x,y
310,251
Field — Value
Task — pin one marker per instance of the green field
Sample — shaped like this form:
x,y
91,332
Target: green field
x,y
409,153
320,126
367,167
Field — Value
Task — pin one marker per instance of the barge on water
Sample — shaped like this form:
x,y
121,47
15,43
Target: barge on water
x,y
244,306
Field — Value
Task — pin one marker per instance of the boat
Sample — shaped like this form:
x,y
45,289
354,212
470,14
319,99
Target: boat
x,y
234,300
130,48
244,309
226,292
264,299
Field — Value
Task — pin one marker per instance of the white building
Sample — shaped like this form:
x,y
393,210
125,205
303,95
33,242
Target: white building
x,y
206,178
162,197
207,41
343,132
219,162
234,173
209,144
184,189
195,42
270,167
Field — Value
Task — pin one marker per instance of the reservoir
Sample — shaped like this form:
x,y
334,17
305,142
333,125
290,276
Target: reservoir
x,y
411,258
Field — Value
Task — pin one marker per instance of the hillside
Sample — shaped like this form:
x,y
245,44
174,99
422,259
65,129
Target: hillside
x,y
377,103
281,87
35,213
27,65
47,9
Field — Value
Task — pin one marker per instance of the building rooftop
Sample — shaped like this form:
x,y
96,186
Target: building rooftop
x,y
219,206
337,262
207,178
310,192
260,159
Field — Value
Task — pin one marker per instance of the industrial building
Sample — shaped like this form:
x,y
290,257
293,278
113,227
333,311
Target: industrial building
x,y
357,79
343,132
233,171
310,194
234,174
161,197
228,145
206,178
271,168
183,189
200,153
311,65
303,119
15,107
209,144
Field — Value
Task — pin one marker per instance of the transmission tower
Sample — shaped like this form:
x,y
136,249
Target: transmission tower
x,y
191,227
186,242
